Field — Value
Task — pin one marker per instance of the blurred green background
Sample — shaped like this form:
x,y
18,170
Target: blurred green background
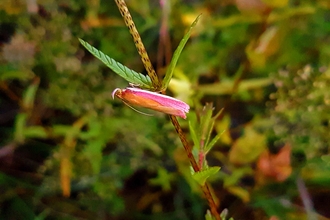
x,y
68,151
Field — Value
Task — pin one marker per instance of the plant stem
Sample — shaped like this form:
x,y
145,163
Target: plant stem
x,y
157,84
196,168
138,43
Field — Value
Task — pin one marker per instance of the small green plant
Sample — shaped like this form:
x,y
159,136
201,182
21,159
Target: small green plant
x,y
151,82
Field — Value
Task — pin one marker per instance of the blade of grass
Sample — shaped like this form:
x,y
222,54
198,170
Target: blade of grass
x,y
194,135
213,142
176,55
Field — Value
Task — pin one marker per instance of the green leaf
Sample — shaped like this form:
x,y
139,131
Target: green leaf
x,y
208,215
30,93
213,142
207,123
8,73
60,130
248,147
36,132
224,214
193,135
123,71
227,87
202,176
176,55
20,125
93,151
163,179
95,142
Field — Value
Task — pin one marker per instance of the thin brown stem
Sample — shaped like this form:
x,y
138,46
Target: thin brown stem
x,y
184,143
138,42
157,84
205,188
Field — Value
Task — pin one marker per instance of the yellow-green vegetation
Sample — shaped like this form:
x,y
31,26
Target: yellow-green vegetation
x,y
69,151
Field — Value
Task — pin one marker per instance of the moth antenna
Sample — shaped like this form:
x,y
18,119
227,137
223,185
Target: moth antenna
x,y
143,113
114,92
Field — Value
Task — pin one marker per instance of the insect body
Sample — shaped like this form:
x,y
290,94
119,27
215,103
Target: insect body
x,y
152,100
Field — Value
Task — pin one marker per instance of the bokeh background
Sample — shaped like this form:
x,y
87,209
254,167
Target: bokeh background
x,y
68,151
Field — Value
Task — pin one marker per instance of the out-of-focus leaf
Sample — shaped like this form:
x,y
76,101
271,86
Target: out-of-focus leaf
x,y
181,88
93,151
20,124
224,215
256,18
289,12
66,150
240,192
317,172
208,215
95,144
123,71
268,44
251,6
12,8
202,176
36,132
65,170
248,147
163,179
176,55
222,126
236,175
326,158
226,87
276,3
275,166
29,96
21,119
8,73
60,129
43,215
236,19
194,135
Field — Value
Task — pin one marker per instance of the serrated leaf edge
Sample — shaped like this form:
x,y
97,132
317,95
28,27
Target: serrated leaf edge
x,y
123,71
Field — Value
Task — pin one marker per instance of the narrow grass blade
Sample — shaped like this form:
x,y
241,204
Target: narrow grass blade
x,y
206,124
194,135
213,142
176,55
123,71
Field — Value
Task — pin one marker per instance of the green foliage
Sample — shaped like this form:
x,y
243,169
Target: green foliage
x,y
201,131
223,215
203,175
130,75
302,102
60,128
163,179
176,55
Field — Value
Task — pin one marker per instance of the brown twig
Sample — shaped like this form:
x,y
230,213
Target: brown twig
x,y
157,84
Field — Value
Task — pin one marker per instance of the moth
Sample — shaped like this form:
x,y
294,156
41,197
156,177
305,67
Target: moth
x,y
152,100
